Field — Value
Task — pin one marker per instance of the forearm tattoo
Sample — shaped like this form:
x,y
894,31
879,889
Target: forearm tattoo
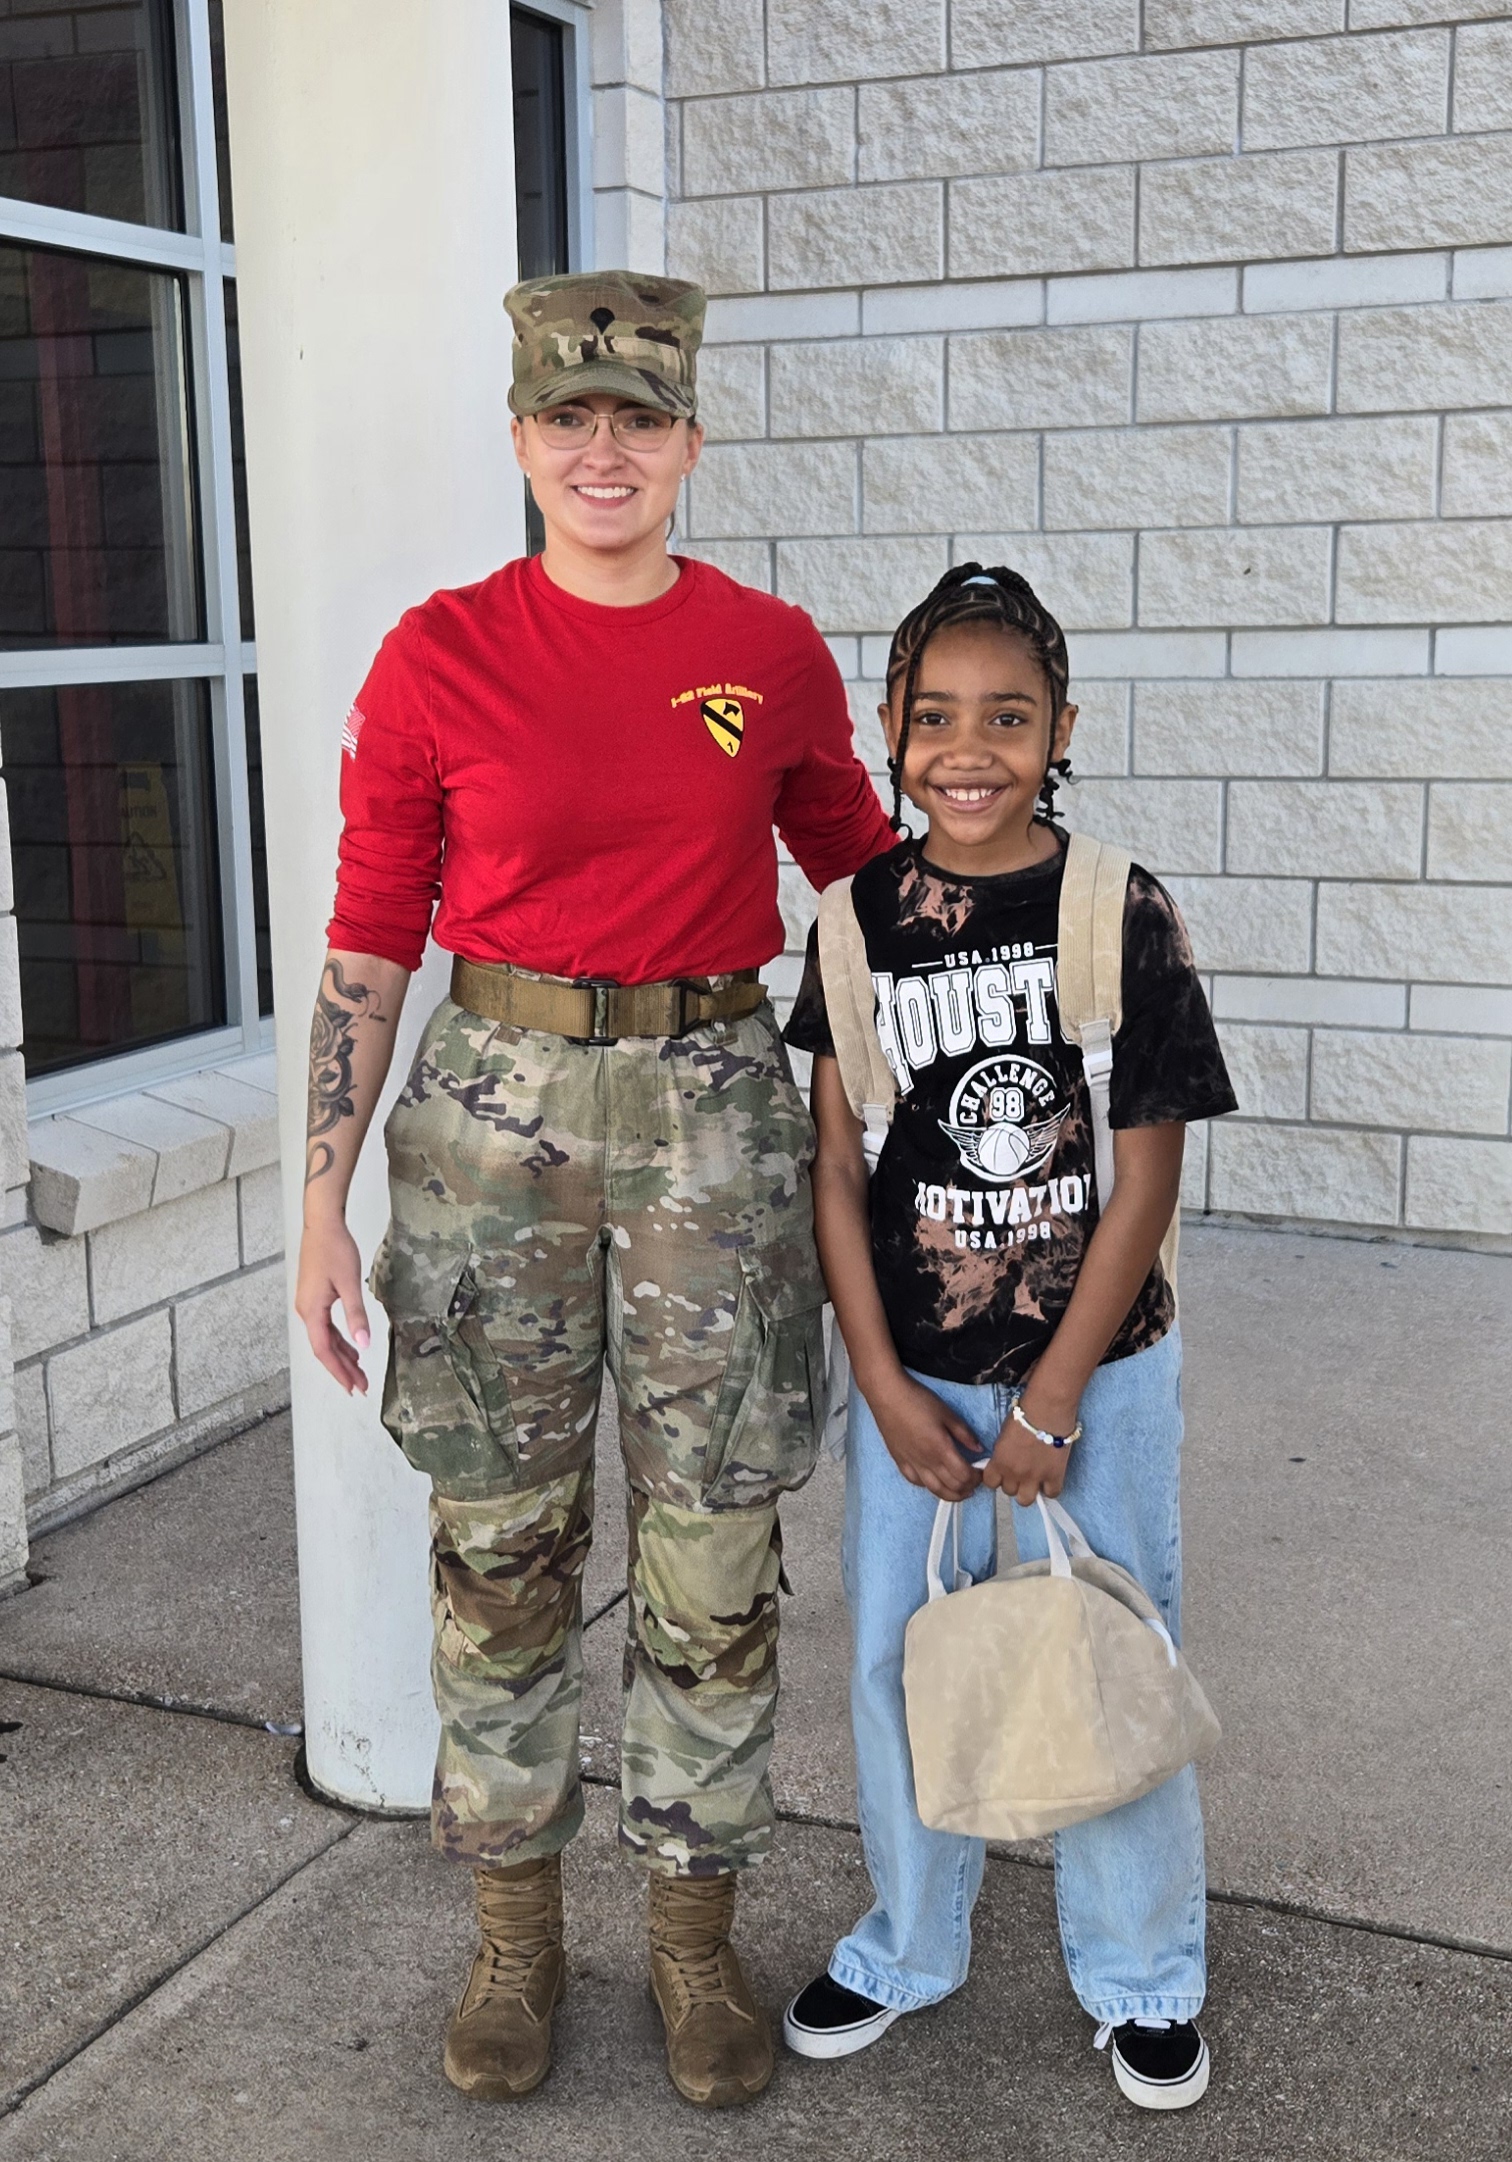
x,y
339,1007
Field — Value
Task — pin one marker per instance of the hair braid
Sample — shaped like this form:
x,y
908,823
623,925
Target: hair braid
x,y
969,594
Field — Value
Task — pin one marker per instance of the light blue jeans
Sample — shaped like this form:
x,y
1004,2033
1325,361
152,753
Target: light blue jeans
x,y
1130,1887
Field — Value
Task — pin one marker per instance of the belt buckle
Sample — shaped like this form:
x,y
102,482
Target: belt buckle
x,y
600,986
685,990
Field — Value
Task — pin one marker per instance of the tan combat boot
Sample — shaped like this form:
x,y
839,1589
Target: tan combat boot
x,y
498,2045
719,2046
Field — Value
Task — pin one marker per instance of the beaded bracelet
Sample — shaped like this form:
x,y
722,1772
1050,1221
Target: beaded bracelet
x,y
1051,1441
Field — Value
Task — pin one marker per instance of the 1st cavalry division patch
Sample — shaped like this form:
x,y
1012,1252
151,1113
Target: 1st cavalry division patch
x,y
725,720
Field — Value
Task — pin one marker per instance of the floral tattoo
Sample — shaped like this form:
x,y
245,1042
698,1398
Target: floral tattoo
x,y
339,1006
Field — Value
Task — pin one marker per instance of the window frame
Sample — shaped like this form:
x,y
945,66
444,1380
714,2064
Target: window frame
x,y
577,102
223,660
573,19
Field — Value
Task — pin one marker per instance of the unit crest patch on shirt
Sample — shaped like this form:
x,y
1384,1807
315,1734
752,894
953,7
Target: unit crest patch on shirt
x,y
722,709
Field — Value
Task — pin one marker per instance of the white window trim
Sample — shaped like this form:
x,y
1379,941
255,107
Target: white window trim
x,y
102,1080
23,670
205,260
153,247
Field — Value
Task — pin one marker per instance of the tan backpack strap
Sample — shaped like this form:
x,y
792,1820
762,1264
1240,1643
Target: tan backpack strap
x,y
1089,964
1089,984
851,1001
1168,1249
1089,976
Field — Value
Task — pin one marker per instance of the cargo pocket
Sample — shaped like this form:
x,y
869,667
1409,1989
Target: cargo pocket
x,y
770,1413
445,1399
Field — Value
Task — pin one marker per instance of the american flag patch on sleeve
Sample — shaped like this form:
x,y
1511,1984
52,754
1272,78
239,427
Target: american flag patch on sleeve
x,y
351,729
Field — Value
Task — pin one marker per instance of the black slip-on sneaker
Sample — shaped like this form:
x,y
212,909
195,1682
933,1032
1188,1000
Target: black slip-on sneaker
x,y
826,2020
1158,2063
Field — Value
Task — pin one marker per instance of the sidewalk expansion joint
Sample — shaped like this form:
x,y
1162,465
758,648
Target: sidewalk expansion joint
x,y
11,2102
608,1607
145,1700
1471,1947
1293,1910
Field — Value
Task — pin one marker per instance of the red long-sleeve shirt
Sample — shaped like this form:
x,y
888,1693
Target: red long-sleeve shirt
x,y
591,791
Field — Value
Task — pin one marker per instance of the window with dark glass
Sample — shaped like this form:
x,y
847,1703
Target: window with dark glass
x,y
130,894
222,131
539,52
88,115
540,120
238,461
259,826
114,858
98,540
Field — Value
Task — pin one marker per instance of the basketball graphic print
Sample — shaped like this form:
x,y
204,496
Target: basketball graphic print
x,y
725,720
1005,1117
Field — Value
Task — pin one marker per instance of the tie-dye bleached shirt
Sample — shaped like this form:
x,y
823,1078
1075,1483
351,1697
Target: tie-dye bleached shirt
x,y
985,1196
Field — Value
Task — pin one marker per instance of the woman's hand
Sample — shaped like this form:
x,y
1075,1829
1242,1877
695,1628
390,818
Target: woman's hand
x,y
925,1439
330,1274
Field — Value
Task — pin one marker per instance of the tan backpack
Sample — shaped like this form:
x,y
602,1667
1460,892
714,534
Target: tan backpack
x,y
1089,974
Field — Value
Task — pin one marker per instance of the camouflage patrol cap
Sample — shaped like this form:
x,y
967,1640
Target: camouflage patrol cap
x,y
610,330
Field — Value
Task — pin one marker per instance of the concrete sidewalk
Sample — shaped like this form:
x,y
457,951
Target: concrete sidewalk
x,y
202,1959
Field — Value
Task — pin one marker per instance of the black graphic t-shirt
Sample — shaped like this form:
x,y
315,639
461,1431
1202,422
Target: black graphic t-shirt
x,y
985,1195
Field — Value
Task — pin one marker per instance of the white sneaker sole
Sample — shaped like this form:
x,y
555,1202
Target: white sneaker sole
x,y
1163,2093
835,2041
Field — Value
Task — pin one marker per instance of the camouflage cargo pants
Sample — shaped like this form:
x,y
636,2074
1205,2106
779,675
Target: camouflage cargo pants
x,y
557,1207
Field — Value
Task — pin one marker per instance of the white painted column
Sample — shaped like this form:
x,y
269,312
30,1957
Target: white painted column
x,y
374,188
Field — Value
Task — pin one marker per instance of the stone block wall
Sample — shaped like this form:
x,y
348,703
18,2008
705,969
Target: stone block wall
x,y
1201,316
629,122
142,1269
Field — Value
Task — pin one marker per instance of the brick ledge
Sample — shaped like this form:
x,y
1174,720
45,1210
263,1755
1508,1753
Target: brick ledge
x,y
94,1166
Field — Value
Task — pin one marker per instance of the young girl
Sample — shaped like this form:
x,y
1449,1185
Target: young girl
x,y
1034,1331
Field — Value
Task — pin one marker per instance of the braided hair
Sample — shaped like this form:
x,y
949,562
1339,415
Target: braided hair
x,y
969,594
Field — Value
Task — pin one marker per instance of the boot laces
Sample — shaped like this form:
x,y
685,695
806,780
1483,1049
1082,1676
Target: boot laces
x,y
700,1971
514,1921
508,1963
692,1941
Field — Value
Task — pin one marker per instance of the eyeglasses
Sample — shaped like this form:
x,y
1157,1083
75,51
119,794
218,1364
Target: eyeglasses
x,y
636,427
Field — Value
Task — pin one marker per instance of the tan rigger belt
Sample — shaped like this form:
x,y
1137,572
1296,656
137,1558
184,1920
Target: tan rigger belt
x,y
587,1010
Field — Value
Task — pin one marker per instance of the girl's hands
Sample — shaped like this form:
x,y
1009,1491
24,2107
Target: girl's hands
x,y
925,1438
330,1274
1025,1468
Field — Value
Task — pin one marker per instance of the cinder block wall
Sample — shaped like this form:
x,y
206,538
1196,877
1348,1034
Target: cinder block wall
x,y
141,1261
1197,314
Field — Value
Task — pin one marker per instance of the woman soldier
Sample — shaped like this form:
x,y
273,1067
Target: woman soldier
x,y
599,1155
